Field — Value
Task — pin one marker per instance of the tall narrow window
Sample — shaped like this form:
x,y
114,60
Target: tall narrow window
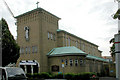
x,y
22,50
26,50
66,62
81,61
65,39
76,43
83,47
80,44
68,41
33,49
51,36
71,62
54,37
48,35
29,50
76,62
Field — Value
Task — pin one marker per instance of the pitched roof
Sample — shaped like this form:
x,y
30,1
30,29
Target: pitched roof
x,y
37,9
59,30
62,51
72,50
96,58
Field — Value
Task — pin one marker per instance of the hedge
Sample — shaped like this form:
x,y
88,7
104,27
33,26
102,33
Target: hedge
x,y
68,76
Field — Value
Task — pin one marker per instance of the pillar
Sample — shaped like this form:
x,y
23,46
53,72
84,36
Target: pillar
x,y
32,69
117,54
25,68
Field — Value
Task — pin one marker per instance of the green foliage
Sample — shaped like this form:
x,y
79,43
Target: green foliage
x,y
36,75
45,75
117,15
10,49
57,76
68,76
112,49
29,75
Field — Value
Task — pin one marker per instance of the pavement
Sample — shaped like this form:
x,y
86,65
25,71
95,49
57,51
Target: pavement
x,y
107,78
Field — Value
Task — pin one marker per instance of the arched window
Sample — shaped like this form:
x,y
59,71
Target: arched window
x,y
71,62
76,62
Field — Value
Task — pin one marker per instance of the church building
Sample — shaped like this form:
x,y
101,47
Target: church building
x,y
46,48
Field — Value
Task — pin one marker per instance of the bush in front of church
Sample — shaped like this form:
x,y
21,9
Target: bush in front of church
x,y
68,76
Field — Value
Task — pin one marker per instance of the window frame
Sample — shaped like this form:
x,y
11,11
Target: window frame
x,y
66,62
48,35
76,62
71,62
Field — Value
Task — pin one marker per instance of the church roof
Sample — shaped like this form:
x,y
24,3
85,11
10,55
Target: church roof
x,y
37,9
96,58
59,30
63,51
72,51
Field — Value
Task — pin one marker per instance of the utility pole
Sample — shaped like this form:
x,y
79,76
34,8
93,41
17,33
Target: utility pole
x,y
9,9
117,54
117,43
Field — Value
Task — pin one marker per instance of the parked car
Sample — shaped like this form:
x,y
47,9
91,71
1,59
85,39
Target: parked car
x,y
12,73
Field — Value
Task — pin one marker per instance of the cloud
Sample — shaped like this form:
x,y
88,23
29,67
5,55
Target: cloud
x,y
88,19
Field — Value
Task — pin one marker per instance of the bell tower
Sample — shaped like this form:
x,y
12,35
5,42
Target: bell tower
x,y
36,36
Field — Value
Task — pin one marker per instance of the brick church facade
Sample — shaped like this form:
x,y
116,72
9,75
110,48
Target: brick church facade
x,y
44,47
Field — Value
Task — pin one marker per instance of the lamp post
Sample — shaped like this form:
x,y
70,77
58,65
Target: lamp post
x,y
63,69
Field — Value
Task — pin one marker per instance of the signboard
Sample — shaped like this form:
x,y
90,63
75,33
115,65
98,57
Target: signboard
x,y
55,68
63,65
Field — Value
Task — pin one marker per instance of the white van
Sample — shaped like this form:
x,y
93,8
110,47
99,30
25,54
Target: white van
x,y
12,73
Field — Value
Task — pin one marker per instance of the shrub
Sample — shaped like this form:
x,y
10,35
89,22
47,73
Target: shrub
x,y
87,75
39,75
45,75
29,75
36,75
58,76
69,76
78,76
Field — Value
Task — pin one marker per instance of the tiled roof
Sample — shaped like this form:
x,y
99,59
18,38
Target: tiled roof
x,y
71,50
96,58
61,51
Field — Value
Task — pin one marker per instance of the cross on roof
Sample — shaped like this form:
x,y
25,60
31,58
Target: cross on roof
x,y
37,4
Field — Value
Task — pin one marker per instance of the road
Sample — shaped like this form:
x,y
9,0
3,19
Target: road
x,y
107,78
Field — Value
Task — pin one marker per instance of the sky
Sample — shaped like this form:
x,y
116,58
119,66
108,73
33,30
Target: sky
x,y
87,19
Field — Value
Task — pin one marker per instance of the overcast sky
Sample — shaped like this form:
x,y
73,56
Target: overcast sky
x,y
87,19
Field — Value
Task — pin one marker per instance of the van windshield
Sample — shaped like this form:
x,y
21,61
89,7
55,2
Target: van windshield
x,y
15,73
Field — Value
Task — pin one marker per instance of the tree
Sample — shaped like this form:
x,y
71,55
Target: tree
x,y
10,49
112,48
117,15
